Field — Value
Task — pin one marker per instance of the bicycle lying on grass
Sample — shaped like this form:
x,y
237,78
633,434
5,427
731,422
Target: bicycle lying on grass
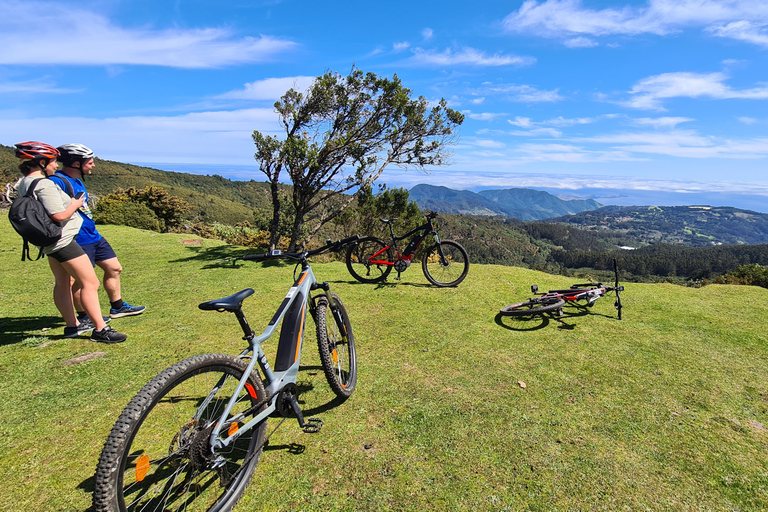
x,y
445,263
554,300
192,437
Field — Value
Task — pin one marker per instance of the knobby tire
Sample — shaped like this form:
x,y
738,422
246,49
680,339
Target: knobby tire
x,y
157,456
358,256
336,344
533,307
448,272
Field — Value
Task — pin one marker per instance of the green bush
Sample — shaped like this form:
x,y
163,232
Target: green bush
x,y
122,211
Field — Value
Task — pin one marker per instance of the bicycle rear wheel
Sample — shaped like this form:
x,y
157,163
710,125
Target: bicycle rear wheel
x,y
360,257
445,264
158,455
533,307
336,344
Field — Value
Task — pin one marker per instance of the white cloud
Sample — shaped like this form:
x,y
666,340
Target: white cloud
x,y
581,42
561,121
477,101
537,132
742,30
522,122
398,47
487,143
269,89
483,116
748,120
71,35
191,138
649,92
427,33
661,122
521,93
563,19
465,56
34,87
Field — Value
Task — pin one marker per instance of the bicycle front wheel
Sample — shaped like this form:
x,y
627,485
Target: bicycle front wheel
x,y
445,264
533,307
336,343
362,258
158,455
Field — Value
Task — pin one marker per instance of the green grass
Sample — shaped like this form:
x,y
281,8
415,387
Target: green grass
x,y
664,410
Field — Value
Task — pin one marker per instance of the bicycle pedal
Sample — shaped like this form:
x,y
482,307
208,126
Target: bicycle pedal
x,y
312,425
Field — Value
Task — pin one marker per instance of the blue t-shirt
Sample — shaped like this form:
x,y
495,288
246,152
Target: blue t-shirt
x,y
88,233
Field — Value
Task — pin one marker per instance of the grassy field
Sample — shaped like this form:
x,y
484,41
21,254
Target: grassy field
x,y
456,408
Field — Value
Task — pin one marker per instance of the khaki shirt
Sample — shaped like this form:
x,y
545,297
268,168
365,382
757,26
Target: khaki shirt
x,y
55,201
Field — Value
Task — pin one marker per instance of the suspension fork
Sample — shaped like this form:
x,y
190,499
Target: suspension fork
x,y
334,308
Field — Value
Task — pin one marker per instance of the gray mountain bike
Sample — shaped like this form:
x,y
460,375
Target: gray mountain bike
x,y
192,437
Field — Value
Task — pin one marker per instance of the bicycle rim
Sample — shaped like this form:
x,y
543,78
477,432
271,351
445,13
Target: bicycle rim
x,y
532,307
446,269
158,454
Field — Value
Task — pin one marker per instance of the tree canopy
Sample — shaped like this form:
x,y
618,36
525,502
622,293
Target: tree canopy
x,y
341,134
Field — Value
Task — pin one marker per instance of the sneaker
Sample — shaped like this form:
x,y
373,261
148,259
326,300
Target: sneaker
x,y
108,335
86,325
126,310
73,332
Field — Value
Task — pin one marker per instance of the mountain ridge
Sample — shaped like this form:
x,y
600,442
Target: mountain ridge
x,y
525,204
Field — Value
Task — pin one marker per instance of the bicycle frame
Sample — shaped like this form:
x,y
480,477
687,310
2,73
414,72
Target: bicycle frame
x,y
292,312
426,229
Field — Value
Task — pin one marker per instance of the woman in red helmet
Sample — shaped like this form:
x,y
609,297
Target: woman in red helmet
x,y
66,259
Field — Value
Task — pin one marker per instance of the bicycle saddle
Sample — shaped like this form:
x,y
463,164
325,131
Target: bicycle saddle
x,y
387,221
231,303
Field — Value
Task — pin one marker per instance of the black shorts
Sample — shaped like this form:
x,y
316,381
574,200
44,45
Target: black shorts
x,y
99,251
67,253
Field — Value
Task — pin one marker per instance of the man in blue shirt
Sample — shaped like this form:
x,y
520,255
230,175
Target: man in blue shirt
x,y
78,162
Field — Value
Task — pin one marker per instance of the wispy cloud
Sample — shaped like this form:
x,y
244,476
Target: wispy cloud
x,y
399,47
661,122
269,88
650,92
580,42
465,57
187,138
754,33
563,19
483,116
69,35
521,93
34,87
427,34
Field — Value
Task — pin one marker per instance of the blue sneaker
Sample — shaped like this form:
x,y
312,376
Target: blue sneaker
x,y
126,310
72,332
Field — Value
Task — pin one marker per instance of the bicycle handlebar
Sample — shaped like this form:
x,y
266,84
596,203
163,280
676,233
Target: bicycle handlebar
x,y
329,246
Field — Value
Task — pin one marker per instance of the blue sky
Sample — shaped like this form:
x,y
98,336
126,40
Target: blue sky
x,y
559,94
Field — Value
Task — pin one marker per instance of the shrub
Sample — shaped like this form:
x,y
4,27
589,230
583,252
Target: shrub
x,y
113,209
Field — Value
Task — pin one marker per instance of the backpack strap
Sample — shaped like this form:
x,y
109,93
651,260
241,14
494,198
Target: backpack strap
x,y
25,248
67,185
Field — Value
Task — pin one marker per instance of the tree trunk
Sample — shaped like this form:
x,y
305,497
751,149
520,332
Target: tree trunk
x,y
274,225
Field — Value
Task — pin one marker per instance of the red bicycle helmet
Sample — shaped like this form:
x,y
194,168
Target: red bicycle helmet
x,y
33,150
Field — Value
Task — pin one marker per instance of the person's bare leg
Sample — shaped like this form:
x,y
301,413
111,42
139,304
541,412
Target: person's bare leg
x,y
62,292
112,270
85,279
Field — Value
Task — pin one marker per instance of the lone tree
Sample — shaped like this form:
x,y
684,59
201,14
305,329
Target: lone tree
x,y
340,135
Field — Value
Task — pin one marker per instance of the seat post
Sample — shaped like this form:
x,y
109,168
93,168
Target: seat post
x,y
249,334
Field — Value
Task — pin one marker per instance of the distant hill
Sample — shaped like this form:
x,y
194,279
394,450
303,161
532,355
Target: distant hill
x,y
696,226
213,198
519,203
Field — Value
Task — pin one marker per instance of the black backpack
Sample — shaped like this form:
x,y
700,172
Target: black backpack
x,y
30,219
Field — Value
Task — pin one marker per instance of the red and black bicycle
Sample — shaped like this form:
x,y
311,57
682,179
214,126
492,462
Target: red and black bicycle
x,y
444,263
554,300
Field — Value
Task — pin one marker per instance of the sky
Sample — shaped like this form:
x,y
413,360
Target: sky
x,y
609,99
